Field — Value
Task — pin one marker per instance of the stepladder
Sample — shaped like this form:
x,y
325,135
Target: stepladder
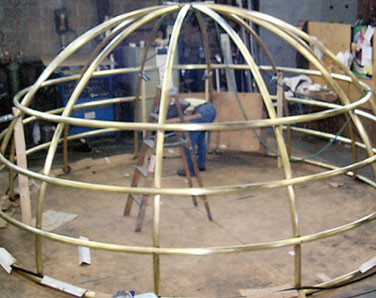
x,y
145,165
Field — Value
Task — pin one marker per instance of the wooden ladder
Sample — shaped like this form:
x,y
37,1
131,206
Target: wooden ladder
x,y
145,165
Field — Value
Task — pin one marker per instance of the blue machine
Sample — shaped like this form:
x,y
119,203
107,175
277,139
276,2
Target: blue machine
x,y
97,89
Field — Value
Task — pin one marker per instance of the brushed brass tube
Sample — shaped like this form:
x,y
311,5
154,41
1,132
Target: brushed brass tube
x,y
65,149
334,282
83,70
269,23
68,51
258,39
328,136
289,141
192,251
288,27
59,129
38,225
207,53
79,42
353,147
124,25
41,115
160,139
196,127
277,130
328,53
93,103
191,191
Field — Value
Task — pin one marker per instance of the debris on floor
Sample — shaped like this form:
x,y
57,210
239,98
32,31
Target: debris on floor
x,y
6,260
63,286
323,277
55,219
84,256
336,184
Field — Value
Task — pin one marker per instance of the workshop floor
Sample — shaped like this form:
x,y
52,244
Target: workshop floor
x,y
253,217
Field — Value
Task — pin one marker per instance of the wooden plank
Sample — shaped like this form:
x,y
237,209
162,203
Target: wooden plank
x,y
23,181
143,104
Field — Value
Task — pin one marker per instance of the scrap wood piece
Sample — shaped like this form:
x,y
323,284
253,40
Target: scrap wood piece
x,y
275,292
54,219
63,286
23,181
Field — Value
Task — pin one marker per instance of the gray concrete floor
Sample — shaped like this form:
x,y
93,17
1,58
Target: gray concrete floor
x,y
252,217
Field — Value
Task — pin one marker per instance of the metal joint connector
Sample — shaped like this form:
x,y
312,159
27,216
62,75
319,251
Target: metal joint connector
x,y
6,118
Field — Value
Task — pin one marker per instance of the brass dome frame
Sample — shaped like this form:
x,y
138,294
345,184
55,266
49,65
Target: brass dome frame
x,y
121,27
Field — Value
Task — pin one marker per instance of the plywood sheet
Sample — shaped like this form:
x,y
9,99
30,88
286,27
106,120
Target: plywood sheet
x,y
229,110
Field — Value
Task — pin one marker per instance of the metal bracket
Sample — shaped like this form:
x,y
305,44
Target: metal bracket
x,y
144,77
8,117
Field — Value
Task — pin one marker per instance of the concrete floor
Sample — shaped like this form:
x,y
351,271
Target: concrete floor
x,y
238,219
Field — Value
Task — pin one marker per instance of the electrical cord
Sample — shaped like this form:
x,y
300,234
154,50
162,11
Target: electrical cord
x,y
364,293
330,287
17,268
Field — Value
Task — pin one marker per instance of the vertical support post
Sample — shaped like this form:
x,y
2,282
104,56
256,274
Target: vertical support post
x,y
23,181
353,148
143,104
160,142
280,96
156,273
65,149
208,71
207,95
142,64
289,143
298,265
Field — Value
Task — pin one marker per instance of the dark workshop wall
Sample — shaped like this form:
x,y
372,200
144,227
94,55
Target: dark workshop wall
x,y
294,11
28,26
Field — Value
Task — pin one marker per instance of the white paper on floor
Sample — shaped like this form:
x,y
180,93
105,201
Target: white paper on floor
x,y
54,219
